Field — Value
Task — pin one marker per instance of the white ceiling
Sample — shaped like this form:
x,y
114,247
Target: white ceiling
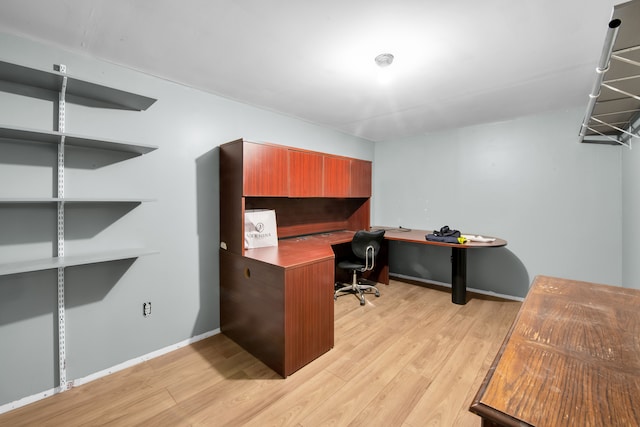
x,y
457,62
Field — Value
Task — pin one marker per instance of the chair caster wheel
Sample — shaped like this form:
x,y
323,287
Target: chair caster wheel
x,y
361,302
378,294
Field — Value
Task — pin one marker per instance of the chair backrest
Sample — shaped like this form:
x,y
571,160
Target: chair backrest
x,y
363,240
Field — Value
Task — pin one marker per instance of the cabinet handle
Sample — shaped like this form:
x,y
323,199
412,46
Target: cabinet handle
x,y
247,273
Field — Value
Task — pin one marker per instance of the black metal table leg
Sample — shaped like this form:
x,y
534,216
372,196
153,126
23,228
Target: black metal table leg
x,y
459,276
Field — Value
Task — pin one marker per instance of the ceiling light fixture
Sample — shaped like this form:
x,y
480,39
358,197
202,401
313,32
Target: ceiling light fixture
x,y
384,59
384,72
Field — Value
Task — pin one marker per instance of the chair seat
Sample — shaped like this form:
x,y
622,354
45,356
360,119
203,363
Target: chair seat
x,y
351,265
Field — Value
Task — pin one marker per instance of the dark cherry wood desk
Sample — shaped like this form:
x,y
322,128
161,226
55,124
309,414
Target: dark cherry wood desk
x,y
278,301
571,358
458,255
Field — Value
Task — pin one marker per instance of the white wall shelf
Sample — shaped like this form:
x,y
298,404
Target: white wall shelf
x,y
27,266
18,134
41,84
47,200
79,91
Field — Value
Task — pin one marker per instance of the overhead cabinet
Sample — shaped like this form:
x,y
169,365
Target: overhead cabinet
x,y
360,178
265,170
314,174
311,192
305,173
276,171
336,177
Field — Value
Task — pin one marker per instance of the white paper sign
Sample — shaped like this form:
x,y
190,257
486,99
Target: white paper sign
x,y
260,228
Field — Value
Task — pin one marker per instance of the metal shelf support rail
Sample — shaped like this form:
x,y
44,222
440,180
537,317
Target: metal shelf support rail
x,y
62,353
602,68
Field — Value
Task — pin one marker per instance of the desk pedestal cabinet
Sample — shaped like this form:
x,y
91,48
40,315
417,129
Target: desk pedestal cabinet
x,y
283,316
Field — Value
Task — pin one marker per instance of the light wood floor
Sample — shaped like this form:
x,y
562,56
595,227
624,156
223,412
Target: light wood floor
x,y
408,358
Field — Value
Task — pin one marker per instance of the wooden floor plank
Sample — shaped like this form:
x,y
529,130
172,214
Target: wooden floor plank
x,y
395,401
408,358
300,403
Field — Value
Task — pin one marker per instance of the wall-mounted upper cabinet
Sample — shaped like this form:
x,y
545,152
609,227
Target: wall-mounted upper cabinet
x,y
265,170
311,192
314,174
305,174
360,178
270,170
337,176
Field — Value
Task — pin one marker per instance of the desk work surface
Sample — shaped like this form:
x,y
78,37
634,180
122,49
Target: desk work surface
x,y
571,358
419,236
301,250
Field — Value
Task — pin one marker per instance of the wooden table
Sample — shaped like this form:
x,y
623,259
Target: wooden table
x,y
571,358
458,255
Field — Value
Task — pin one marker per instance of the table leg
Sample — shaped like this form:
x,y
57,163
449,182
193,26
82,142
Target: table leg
x,y
459,276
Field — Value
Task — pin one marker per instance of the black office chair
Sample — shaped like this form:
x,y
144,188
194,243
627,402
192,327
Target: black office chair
x,y
365,246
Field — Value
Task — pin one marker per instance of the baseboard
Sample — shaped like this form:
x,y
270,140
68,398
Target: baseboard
x,y
124,365
448,285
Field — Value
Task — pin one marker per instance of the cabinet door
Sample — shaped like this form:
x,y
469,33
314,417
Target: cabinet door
x,y
309,309
337,177
360,178
305,174
265,170
252,307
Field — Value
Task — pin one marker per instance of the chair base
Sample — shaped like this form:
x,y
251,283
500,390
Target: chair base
x,y
356,287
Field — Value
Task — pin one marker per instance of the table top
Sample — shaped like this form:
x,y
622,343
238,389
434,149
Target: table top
x,y
419,236
571,358
302,250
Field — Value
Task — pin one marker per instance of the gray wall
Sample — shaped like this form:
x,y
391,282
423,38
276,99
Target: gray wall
x,y
631,214
105,325
556,202
559,204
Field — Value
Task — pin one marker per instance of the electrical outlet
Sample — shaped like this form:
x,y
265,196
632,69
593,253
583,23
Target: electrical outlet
x,y
146,309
